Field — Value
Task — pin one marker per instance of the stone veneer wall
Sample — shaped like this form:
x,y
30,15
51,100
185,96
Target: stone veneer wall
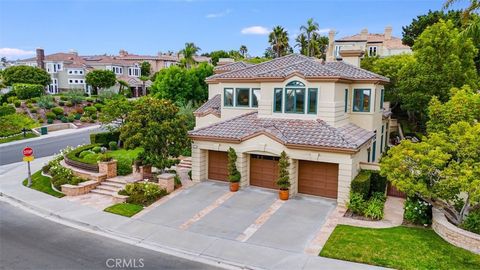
x,y
454,235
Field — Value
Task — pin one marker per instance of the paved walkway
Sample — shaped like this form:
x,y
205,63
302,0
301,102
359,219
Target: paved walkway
x,y
276,243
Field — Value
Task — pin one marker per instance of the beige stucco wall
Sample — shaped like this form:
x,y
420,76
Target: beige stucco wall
x,y
348,163
206,120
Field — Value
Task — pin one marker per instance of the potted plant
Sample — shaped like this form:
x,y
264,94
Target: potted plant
x,y
283,181
233,174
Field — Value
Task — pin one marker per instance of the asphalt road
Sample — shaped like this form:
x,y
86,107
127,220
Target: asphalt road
x,y
45,147
31,242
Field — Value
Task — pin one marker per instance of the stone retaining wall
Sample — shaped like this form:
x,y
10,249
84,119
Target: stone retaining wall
x,y
454,235
82,188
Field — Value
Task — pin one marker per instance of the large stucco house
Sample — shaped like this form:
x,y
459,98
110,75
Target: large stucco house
x,y
329,117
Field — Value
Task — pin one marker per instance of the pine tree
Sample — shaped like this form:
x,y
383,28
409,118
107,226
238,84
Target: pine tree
x,y
283,181
233,174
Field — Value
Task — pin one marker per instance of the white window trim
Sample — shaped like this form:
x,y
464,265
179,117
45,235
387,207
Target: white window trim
x,y
374,49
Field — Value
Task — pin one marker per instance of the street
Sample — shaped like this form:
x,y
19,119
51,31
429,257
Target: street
x,y
31,242
45,147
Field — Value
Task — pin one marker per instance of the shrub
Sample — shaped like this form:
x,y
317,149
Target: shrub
x,y
6,110
17,103
90,110
69,104
374,208
283,181
472,221
105,157
59,117
233,174
33,110
79,110
35,99
78,116
84,119
177,181
27,91
41,121
97,149
361,184
29,105
417,211
143,193
46,102
124,166
357,203
61,103
14,123
49,121
104,138
93,117
86,152
71,118
64,98
50,115
75,153
89,99
64,119
99,106
57,110
112,145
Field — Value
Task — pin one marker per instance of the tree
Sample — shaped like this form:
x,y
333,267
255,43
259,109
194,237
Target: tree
x,y
115,110
243,51
100,79
443,59
319,45
390,67
278,39
471,22
216,55
283,181
123,86
269,53
308,30
26,90
3,60
154,125
144,79
25,74
233,173
302,43
188,53
145,68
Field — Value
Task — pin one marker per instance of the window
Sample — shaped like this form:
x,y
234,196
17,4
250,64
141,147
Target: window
x,y
374,146
382,98
361,100
296,83
117,70
337,51
59,66
242,97
372,51
134,71
368,154
255,96
312,100
346,100
228,97
278,103
295,100
381,140
386,137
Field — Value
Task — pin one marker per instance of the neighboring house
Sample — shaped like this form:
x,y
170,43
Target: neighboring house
x,y
157,62
327,116
381,45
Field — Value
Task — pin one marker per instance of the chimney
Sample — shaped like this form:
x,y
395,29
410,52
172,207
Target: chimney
x,y
122,53
74,52
352,55
40,58
331,46
364,34
388,32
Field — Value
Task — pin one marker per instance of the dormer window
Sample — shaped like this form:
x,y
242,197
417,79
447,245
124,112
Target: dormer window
x,y
298,99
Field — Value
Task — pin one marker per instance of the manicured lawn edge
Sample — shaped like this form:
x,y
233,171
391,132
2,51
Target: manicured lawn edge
x,y
399,247
18,138
43,184
124,209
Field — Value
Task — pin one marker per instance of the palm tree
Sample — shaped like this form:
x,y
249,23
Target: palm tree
x,y
320,44
243,51
308,30
278,39
302,44
472,23
188,53
144,79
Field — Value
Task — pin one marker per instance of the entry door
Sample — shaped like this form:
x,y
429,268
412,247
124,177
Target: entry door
x,y
263,171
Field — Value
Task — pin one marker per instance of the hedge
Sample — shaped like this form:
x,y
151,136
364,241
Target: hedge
x,y
361,183
6,110
378,183
104,138
26,90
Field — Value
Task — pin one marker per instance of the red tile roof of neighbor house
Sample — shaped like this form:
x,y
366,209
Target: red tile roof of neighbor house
x,y
231,67
308,67
164,57
211,106
291,132
392,43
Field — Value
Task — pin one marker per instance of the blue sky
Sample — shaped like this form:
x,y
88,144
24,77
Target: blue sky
x,y
146,27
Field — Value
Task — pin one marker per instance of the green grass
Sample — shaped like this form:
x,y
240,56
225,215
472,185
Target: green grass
x,y
124,209
399,247
42,184
18,137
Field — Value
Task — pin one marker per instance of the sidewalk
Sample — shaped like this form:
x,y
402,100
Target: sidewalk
x,y
226,252
50,135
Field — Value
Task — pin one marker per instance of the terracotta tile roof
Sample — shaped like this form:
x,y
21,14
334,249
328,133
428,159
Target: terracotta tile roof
x,y
106,60
71,60
211,106
294,132
309,67
395,43
392,43
163,57
231,66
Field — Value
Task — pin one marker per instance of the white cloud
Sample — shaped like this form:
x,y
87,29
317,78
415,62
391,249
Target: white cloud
x,y
219,14
13,53
255,30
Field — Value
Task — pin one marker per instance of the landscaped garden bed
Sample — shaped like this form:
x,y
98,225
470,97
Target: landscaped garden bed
x,y
399,248
367,196
124,209
43,184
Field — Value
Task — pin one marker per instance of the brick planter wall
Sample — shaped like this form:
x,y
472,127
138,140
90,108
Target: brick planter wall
x,y
166,181
454,235
82,188
108,167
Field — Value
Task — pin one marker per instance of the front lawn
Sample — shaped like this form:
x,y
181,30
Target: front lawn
x,y
42,184
18,137
124,209
399,247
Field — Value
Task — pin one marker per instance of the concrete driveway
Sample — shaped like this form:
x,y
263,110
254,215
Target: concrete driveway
x,y
252,215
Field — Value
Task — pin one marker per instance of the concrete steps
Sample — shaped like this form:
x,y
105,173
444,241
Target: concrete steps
x,y
185,163
110,187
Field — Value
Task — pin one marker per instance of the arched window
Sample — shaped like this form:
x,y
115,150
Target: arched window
x,y
295,84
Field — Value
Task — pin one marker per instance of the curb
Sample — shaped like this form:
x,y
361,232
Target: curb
x,y
85,227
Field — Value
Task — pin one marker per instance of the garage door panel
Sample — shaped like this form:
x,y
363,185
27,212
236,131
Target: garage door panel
x,y
318,178
263,171
217,165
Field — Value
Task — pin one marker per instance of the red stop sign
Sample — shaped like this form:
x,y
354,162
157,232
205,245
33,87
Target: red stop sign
x,y
27,151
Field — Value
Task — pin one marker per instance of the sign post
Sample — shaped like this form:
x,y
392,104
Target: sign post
x,y
28,156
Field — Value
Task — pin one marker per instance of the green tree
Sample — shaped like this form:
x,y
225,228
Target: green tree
x,y
319,45
243,51
233,173
26,90
278,39
283,181
302,43
116,110
216,55
188,53
25,74
124,88
100,79
144,79
154,125
145,68
308,30
443,59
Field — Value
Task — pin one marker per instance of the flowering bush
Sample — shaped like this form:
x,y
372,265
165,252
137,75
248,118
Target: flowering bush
x,y
61,175
143,193
418,211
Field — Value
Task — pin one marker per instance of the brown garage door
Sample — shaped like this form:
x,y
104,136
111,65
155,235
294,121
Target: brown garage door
x,y
217,165
318,178
263,171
